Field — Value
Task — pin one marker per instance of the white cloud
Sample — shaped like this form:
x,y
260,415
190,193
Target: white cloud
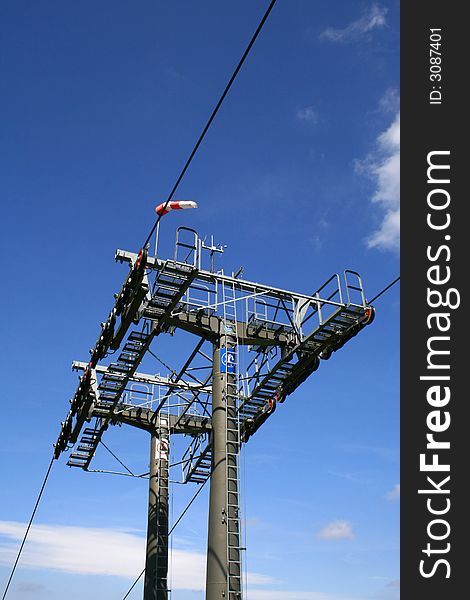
x,y
93,551
99,551
383,167
120,553
337,530
258,579
394,494
374,17
308,114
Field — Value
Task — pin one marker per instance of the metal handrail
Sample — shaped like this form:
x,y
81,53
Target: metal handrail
x,y
193,248
359,289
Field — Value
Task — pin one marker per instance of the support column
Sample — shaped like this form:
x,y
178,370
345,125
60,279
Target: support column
x,y
223,580
156,564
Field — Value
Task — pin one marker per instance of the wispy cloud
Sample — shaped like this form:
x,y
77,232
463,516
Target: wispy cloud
x,y
352,477
292,595
29,587
393,494
97,551
390,101
251,521
384,452
259,579
372,19
383,167
308,114
337,530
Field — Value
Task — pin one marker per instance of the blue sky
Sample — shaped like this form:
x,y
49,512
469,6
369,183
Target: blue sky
x,y
101,104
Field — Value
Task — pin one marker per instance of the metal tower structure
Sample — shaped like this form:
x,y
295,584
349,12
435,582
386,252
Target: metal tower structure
x,y
255,344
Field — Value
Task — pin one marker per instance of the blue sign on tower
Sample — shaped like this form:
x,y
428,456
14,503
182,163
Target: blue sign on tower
x,y
227,360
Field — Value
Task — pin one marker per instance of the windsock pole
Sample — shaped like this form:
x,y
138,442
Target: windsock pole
x,y
164,208
157,231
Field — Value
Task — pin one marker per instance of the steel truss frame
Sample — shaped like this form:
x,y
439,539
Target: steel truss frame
x,y
284,334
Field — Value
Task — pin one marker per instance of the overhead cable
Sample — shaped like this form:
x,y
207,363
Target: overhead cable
x,y
27,529
385,289
211,118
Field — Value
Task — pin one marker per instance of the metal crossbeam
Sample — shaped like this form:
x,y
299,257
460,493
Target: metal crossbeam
x,y
150,379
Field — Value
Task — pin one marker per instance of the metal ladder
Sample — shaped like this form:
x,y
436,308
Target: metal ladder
x,y
110,390
170,285
232,442
197,460
163,453
330,335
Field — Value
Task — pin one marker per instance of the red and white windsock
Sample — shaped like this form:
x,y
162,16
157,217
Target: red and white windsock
x,y
161,209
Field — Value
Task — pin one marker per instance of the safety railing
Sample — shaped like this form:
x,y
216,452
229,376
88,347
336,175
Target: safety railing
x,y
354,292
187,246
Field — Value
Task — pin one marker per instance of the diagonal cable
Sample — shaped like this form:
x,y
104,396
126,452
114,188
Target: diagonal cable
x,y
385,289
27,529
117,458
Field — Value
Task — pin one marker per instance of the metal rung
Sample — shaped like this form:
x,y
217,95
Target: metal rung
x,y
331,326
127,359
159,303
246,415
152,312
108,395
276,377
170,283
133,344
345,320
354,310
271,388
128,353
252,406
138,336
119,368
162,295
73,463
80,455
112,377
176,267
106,386
263,395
